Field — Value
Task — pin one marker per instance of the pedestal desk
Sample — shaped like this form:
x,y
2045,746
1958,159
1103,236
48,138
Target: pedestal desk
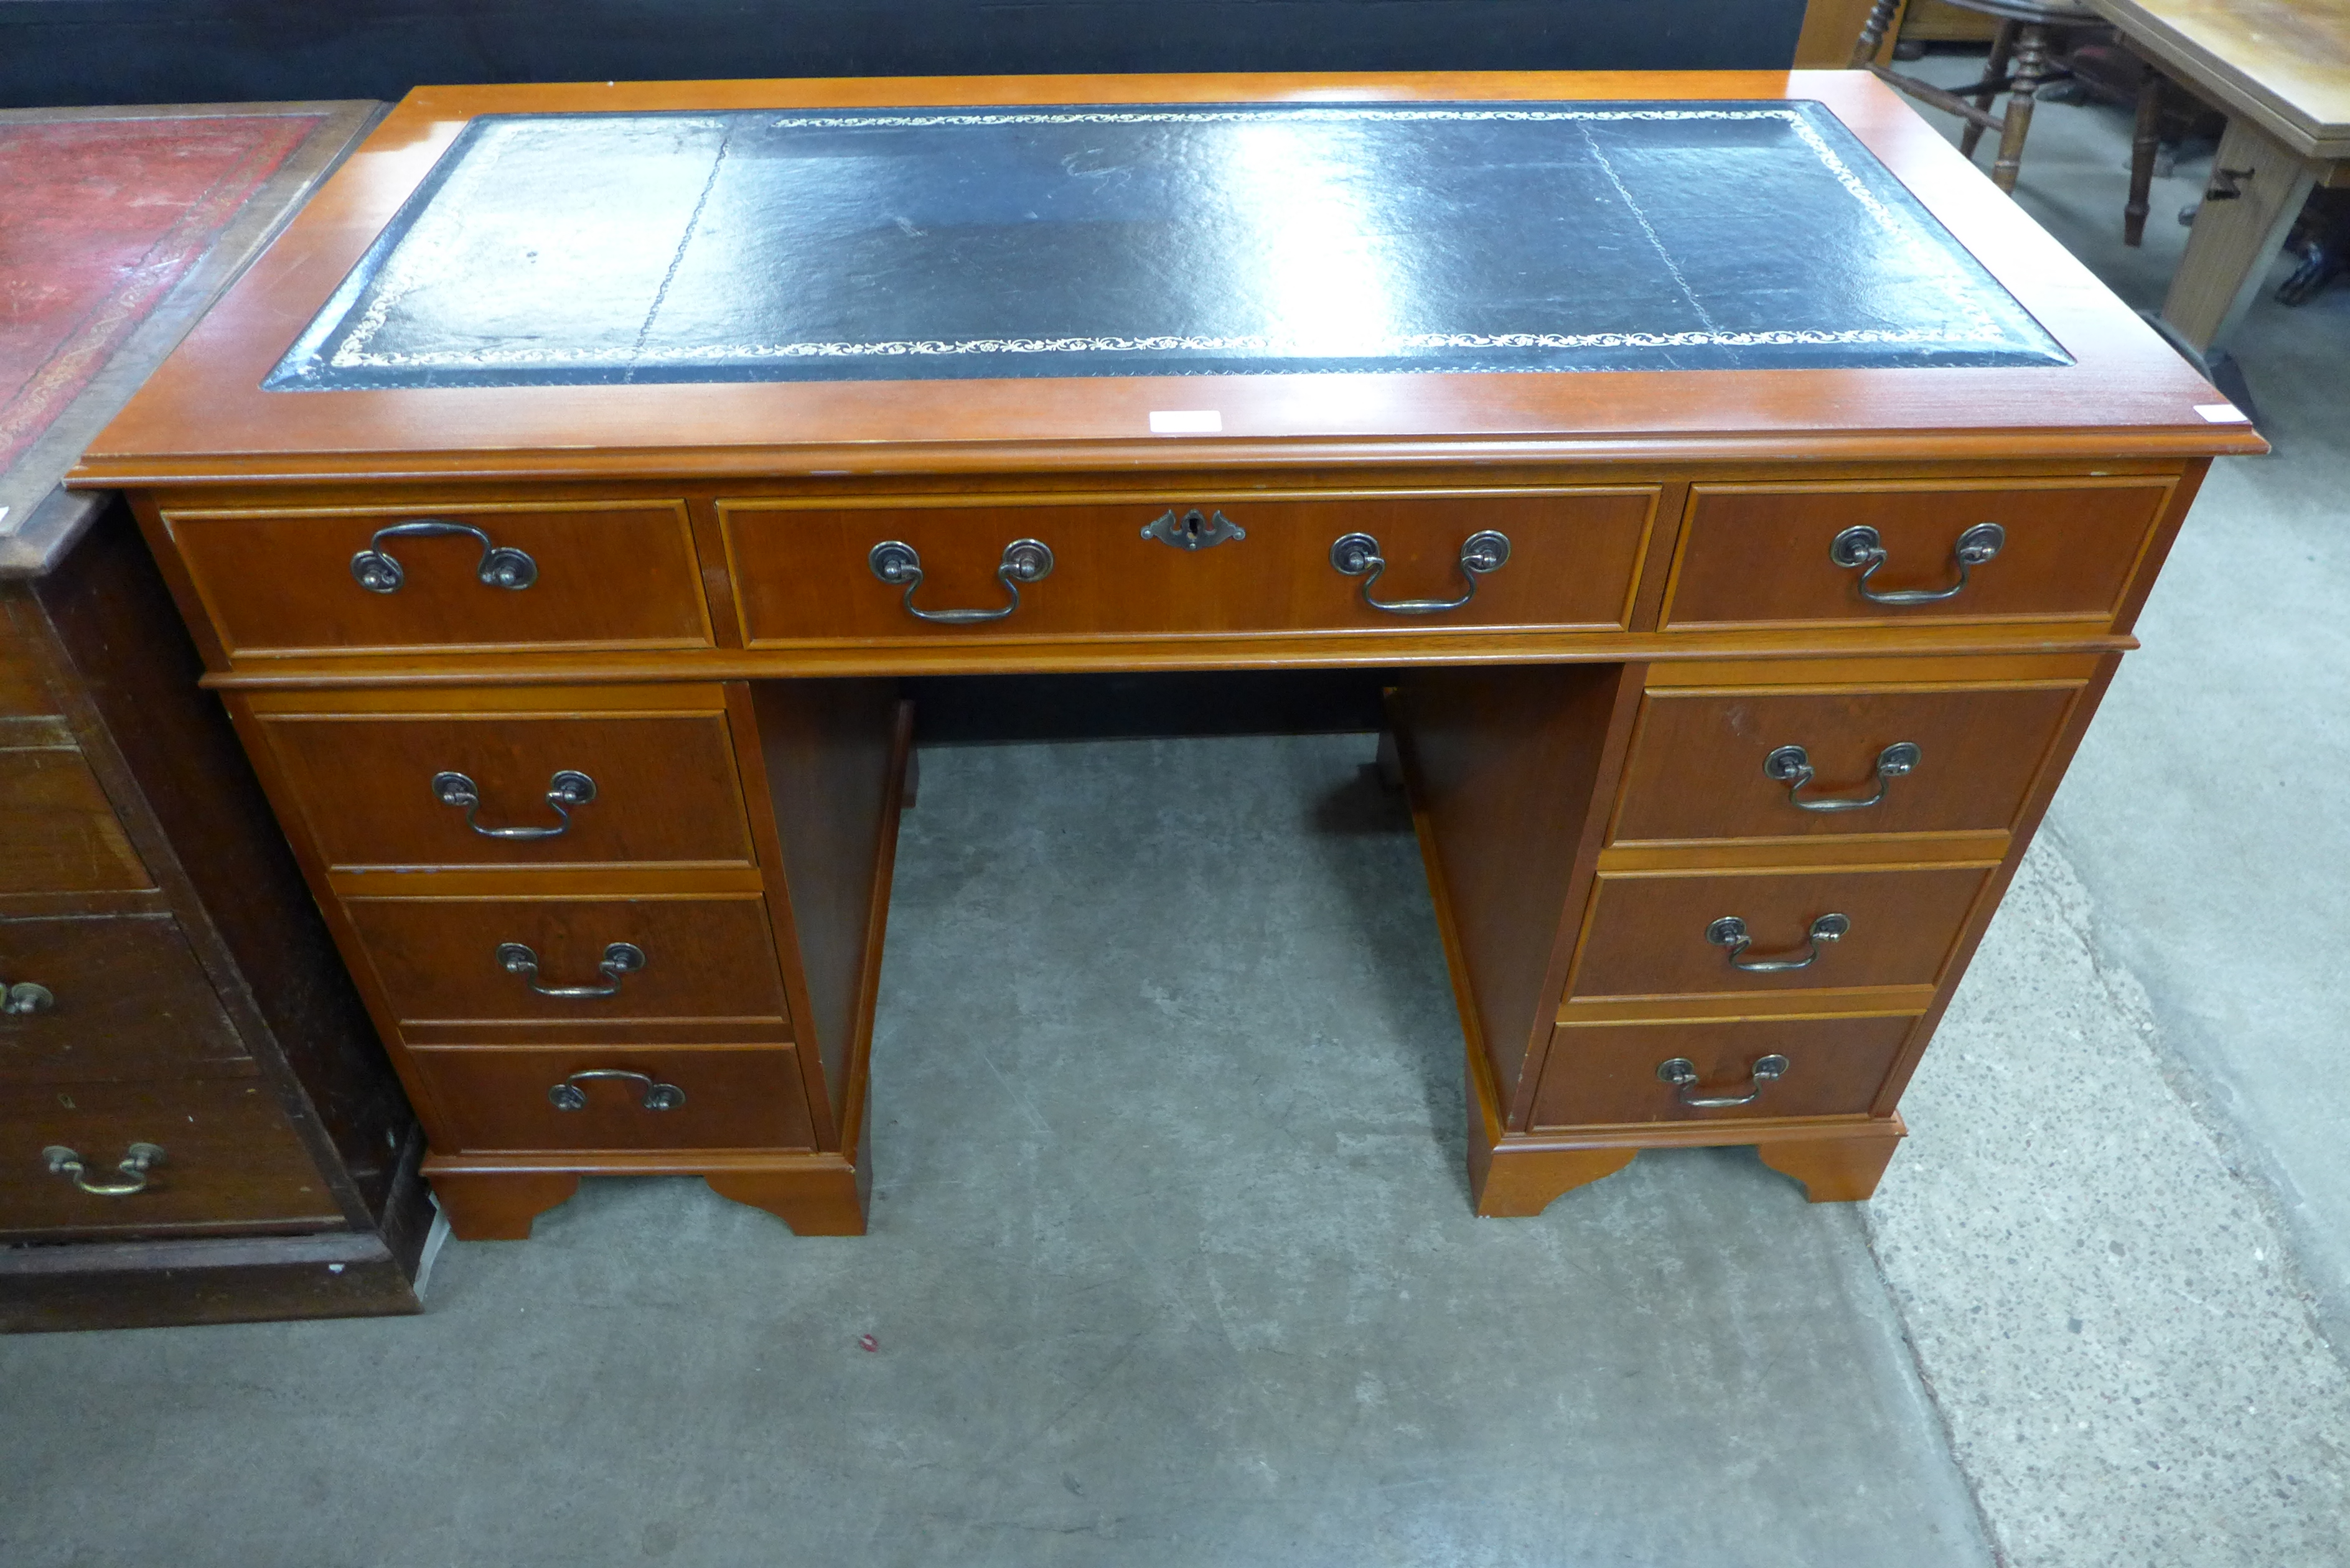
x,y
1749,503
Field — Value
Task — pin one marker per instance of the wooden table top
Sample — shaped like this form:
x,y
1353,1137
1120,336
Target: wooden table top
x,y
2285,63
2113,387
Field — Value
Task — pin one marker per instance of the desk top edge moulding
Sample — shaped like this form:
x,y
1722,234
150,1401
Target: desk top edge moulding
x,y
207,416
1743,503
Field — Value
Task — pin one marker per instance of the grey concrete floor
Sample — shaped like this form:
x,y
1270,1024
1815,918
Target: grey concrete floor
x,y
1171,1263
1171,1260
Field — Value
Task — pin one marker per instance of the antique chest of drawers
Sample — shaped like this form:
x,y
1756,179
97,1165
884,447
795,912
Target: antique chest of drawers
x,y
198,1124
1741,613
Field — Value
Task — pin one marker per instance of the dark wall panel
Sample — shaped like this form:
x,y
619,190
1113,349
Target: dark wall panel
x,y
193,51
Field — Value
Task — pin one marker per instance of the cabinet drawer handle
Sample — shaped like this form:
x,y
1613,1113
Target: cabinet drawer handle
x,y
568,1096
1791,766
136,1162
564,791
1864,547
1024,561
503,566
1729,931
24,997
1356,554
1681,1073
620,959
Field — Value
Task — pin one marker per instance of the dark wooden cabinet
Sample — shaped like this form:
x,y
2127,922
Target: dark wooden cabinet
x,y
172,987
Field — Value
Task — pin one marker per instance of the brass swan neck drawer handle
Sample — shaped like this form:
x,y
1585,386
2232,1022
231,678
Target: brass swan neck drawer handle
x,y
503,566
136,1162
1729,931
1024,561
1357,553
568,1096
564,791
1681,1073
1864,547
1193,531
620,959
1791,766
24,997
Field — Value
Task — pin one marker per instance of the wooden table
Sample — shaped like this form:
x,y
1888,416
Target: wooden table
x,y
2281,68
1752,524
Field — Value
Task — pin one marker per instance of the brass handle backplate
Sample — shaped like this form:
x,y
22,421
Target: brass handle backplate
x,y
1024,561
1193,531
1357,556
564,790
137,1161
620,959
1681,1073
502,565
568,1096
1729,931
1864,547
1791,766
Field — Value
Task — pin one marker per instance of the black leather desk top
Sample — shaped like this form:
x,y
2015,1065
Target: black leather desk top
x,y
1133,241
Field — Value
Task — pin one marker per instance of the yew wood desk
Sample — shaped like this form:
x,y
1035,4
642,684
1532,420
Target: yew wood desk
x,y
1754,502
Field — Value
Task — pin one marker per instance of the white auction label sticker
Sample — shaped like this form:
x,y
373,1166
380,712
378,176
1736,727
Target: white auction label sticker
x,y
1186,422
2223,413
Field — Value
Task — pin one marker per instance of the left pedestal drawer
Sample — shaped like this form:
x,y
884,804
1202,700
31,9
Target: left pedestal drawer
x,y
602,1097
573,962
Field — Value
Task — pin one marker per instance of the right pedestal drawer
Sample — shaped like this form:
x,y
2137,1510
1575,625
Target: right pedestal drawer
x,y
1707,1069
1779,763
1732,931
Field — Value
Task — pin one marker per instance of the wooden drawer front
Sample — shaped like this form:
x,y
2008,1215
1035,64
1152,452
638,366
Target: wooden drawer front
x,y
704,959
1749,556
1599,1074
58,833
1647,935
1697,768
498,1100
128,1001
229,1158
619,575
803,574
665,788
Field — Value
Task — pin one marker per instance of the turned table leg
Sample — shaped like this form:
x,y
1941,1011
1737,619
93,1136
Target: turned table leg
x,y
2146,143
2015,124
499,1206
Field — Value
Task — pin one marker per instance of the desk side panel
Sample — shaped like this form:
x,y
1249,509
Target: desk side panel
x,y
1515,769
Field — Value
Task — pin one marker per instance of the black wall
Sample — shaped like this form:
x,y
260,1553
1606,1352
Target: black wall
x,y
192,51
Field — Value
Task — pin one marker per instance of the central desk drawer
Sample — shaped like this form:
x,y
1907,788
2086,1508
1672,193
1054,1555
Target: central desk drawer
x,y
521,576
451,961
612,1097
426,789
806,571
1763,555
1659,935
